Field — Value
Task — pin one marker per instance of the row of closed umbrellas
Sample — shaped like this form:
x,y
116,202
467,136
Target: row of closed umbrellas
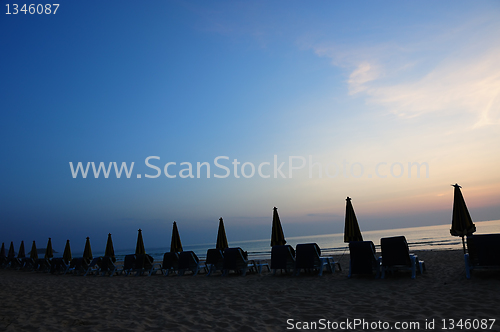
x,y
462,225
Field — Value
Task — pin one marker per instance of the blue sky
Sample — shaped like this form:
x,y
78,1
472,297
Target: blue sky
x,y
359,83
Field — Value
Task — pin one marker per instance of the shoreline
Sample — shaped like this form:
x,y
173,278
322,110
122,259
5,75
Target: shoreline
x,y
34,301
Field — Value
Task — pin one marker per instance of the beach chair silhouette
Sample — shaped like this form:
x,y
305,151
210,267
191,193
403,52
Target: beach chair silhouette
x,y
78,266
27,264
107,267
144,263
363,259
93,267
58,265
42,265
234,259
483,253
170,263
282,258
128,264
308,257
214,261
15,263
188,261
396,256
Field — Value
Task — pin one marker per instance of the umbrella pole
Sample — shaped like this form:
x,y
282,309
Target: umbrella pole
x,y
463,243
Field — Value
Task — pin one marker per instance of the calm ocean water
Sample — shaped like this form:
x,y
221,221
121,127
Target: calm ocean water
x,y
419,238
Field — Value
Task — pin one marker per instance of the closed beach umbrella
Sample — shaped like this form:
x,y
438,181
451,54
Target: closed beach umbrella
x,y
461,222
139,248
87,252
175,244
34,252
11,253
351,227
21,253
2,251
277,236
221,237
48,251
67,252
110,252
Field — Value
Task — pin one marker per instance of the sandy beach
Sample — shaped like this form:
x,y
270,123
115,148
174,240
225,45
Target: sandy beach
x,y
34,301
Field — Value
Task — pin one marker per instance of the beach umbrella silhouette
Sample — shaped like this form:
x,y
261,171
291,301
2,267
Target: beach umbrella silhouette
x,y
2,251
461,222
21,253
110,252
67,252
11,253
49,253
87,252
221,236
139,248
277,236
351,227
175,244
34,252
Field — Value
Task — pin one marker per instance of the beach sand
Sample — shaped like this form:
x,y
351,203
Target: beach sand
x,y
32,301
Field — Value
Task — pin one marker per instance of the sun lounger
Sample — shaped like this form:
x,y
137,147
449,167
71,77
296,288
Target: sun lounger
x,y
128,264
483,253
107,267
42,265
78,266
15,263
282,258
308,257
188,261
93,267
234,259
170,263
214,261
144,263
3,262
58,265
396,256
27,264
363,259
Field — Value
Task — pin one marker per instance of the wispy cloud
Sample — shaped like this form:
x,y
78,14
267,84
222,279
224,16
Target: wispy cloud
x,y
410,80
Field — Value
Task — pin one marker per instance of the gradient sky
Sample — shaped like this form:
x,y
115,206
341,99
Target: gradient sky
x,y
345,82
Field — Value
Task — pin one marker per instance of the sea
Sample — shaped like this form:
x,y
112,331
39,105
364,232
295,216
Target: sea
x,y
419,238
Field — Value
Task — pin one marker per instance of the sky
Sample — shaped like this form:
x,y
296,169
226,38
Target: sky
x,y
291,104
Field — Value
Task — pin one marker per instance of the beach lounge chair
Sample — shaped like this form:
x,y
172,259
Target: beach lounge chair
x,y
107,267
234,259
483,253
363,259
78,266
42,265
308,257
188,261
144,263
59,266
282,258
93,267
15,263
214,261
27,264
396,256
3,262
170,263
128,264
